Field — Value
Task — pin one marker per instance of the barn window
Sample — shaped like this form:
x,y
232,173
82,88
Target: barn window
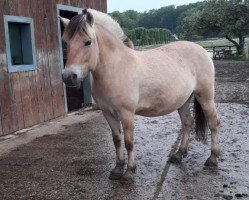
x,y
19,35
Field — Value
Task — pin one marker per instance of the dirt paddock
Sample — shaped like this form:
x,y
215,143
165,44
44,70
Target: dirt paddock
x,y
74,156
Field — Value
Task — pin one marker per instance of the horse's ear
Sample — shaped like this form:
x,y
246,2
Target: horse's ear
x,y
84,11
64,21
88,16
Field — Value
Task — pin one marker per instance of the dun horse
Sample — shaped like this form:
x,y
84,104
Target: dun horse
x,y
148,83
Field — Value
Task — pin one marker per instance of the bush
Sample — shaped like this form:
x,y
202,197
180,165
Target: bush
x,y
141,36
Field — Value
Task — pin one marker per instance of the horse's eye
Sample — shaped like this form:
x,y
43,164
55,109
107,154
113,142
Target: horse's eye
x,y
88,43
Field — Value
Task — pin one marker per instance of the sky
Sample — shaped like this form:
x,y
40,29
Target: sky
x,y
143,5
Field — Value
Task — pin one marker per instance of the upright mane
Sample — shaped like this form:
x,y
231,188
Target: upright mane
x,y
109,23
78,24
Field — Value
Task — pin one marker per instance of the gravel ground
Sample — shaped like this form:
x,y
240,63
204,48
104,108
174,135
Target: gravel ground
x,y
232,81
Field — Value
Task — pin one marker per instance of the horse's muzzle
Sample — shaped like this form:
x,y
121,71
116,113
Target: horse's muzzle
x,y
70,78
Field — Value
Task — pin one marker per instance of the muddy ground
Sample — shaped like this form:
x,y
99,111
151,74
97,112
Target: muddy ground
x,y
74,162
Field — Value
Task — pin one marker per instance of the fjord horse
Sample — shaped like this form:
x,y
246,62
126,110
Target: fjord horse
x,y
148,83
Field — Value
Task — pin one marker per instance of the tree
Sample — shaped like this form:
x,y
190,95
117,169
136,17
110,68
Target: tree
x,y
151,36
189,24
237,23
150,27
128,19
228,18
132,35
144,37
161,33
165,17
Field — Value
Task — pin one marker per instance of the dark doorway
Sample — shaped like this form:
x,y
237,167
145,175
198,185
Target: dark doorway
x,y
76,98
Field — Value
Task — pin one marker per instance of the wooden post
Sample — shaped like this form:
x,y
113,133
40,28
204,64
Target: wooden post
x,y
87,91
213,52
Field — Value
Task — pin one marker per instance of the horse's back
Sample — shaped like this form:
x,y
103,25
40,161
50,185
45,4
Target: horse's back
x,y
169,75
177,60
191,54
200,62
184,52
182,60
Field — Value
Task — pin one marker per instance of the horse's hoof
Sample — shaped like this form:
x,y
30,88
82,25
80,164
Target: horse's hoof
x,y
117,172
128,177
211,161
184,153
176,158
115,176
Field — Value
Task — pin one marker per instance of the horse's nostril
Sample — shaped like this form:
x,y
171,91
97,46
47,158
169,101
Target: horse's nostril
x,y
70,78
74,76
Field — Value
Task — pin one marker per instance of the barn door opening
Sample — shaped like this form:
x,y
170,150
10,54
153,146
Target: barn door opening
x,y
75,98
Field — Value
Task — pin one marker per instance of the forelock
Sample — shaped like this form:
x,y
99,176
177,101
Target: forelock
x,y
76,25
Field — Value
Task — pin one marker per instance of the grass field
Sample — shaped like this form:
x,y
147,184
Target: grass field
x,y
218,42
210,43
224,42
204,43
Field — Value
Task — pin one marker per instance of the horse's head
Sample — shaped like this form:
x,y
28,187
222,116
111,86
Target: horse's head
x,y
82,48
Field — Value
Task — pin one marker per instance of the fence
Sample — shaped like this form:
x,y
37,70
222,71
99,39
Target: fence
x,y
220,52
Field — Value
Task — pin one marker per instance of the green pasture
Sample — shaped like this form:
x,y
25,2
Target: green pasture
x,y
204,43
209,43
218,42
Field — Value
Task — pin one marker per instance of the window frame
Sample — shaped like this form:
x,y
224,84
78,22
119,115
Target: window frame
x,y
61,7
26,20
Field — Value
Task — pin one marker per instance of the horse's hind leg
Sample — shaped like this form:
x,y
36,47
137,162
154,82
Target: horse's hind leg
x,y
209,109
187,124
114,124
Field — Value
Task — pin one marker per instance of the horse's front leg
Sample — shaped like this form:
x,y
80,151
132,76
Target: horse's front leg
x,y
114,123
127,120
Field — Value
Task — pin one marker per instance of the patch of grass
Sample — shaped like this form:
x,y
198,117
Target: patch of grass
x,y
218,42
208,43
223,42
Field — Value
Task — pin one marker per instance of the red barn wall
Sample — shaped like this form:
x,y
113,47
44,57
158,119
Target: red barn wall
x,y
29,98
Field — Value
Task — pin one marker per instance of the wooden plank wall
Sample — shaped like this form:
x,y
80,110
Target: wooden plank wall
x,y
28,98
2,69
8,105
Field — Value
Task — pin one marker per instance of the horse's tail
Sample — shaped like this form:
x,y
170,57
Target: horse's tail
x,y
200,122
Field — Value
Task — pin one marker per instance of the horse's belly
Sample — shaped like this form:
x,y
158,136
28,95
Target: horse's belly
x,y
159,107
158,102
153,111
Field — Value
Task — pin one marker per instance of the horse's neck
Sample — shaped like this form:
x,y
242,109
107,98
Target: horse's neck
x,y
108,43
110,51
